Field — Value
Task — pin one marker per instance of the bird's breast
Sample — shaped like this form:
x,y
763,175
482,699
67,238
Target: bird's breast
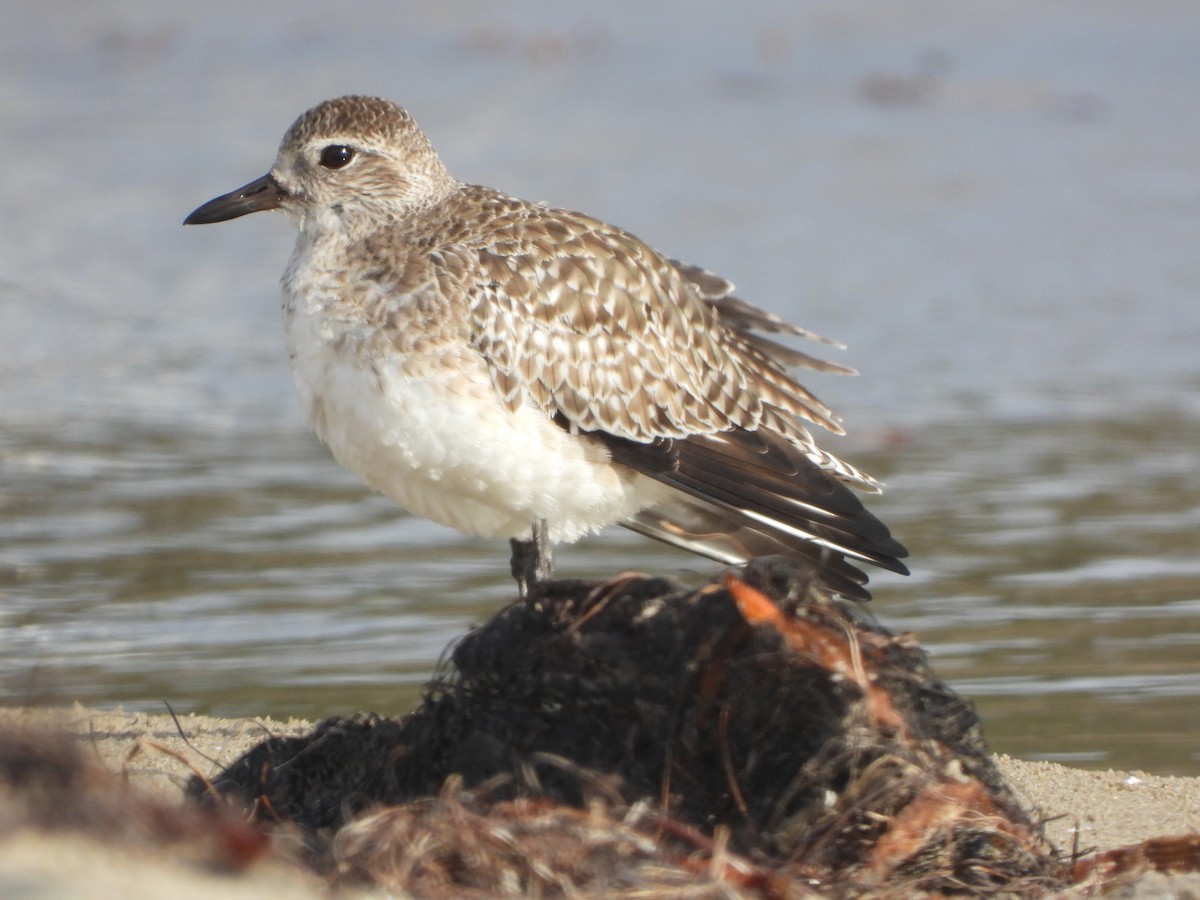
x,y
411,410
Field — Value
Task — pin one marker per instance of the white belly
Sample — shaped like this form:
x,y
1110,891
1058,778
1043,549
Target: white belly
x,y
437,440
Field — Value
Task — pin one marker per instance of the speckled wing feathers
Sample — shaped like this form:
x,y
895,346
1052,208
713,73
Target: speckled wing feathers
x,y
581,318
659,361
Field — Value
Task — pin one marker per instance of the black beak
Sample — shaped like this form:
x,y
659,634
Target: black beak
x,y
262,193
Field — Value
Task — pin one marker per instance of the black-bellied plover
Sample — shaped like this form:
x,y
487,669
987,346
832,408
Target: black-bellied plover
x,y
514,370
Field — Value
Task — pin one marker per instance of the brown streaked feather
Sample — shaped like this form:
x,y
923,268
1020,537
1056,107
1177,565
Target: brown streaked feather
x,y
740,314
770,496
597,319
700,528
784,492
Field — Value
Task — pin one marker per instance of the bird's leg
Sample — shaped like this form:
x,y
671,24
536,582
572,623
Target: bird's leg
x,y
532,560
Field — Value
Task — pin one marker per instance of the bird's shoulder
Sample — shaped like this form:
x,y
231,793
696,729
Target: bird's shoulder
x,y
537,253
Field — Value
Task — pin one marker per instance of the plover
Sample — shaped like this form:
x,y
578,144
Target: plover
x,y
514,370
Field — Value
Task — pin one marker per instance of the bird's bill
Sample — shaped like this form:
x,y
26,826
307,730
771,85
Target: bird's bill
x,y
260,194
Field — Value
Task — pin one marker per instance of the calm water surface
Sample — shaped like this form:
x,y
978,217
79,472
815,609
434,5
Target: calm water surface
x,y
997,211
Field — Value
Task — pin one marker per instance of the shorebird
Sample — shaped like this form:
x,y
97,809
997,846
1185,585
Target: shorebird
x,y
514,370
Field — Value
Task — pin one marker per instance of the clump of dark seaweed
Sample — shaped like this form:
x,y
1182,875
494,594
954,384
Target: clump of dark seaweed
x,y
751,734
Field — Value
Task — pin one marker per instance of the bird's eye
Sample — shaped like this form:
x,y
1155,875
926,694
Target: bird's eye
x,y
336,156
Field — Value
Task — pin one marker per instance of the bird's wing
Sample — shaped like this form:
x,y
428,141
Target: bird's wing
x,y
658,360
584,320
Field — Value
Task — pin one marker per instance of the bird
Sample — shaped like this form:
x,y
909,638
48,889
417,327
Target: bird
x,y
511,369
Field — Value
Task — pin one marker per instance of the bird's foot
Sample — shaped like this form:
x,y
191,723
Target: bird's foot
x,y
532,560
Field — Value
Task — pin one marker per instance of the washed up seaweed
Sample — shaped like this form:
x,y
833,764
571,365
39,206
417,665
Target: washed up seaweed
x,y
752,718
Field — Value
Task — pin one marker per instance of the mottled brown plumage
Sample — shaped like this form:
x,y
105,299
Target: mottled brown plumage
x,y
495,364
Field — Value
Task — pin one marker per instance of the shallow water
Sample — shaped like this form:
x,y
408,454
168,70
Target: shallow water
x,y
998,211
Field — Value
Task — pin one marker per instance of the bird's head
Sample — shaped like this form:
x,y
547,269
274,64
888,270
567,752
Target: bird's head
x,y
351,165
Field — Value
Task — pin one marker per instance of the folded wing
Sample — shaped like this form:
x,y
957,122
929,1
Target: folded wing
x,y
672,373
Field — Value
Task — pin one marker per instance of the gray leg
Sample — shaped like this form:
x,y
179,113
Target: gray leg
x,y
532,560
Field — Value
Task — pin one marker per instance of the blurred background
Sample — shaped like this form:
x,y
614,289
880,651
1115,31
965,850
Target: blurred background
x,y
996,206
